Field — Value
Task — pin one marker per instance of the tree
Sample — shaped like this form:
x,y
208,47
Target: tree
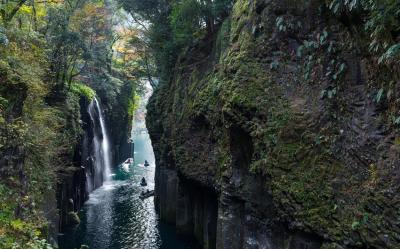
x,y
8,15
175,25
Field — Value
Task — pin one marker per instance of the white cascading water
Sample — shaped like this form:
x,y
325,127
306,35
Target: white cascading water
x,y
105,144
101,148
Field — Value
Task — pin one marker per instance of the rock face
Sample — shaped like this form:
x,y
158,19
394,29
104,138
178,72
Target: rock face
x,y
119,122
269,135
72,186
83,176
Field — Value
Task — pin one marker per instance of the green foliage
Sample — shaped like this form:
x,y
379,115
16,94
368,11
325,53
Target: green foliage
x,y
391,54
329,93
14,232
133,104
355,225
147,10
280,23
186,22
51,55
221,8
83,90
284,25
174,26
381,20
223,38
3,37
3,102
379,96
396,120
338,6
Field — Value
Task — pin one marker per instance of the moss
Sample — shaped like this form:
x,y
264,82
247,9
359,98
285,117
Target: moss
x,y
305,183
240,16
83,90
296,151
223,38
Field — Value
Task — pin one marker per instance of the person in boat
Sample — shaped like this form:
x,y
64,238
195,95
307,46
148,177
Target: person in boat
x,y
146,163
143,182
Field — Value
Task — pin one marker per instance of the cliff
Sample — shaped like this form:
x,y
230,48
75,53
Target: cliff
x,y
50,67
274,134
72,186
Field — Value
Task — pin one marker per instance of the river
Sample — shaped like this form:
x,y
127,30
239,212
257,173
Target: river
x,y
115,218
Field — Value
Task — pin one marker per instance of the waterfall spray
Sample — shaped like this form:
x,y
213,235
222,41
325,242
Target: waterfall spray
x,y
105,145
101,155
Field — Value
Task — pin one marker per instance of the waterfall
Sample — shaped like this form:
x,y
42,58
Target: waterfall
x,y
100,154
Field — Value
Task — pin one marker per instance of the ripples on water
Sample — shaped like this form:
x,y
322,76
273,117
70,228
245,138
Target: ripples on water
x,y
115,218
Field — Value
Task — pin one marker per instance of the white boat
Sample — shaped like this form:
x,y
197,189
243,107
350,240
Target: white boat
x,y
129,161
125,165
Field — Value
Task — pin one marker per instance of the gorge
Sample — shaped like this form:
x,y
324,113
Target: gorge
x,y
114,216
260,124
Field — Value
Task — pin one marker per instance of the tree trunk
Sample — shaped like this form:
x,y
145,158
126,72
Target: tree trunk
x,y
35,27
14,11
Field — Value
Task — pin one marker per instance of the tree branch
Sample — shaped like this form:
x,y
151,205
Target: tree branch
x,y
14,11
136,20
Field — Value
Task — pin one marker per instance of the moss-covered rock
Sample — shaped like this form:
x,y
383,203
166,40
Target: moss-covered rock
x,y
292,100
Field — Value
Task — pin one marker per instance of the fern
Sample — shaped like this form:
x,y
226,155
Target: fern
x,y
381,20
392,53
379,95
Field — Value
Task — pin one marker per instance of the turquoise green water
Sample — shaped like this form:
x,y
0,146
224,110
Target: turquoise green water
x,y
115,218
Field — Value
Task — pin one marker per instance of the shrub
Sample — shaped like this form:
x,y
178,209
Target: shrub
x,y
83,90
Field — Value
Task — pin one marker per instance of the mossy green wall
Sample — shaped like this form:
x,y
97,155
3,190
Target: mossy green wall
x,y
304,94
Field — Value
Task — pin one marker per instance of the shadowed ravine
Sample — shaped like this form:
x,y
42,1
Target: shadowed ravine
x,y
115,218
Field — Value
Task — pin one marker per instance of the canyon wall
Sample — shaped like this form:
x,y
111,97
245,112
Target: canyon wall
x,y
270,134
72,189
